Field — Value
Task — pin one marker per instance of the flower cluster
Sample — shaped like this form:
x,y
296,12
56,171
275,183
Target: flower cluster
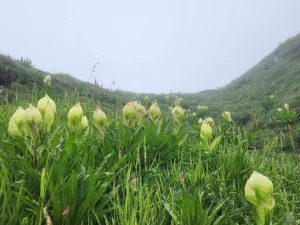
x,y
285,115
202,108
47,108
133,114
155,112
227,116
178,116
76,119
32,120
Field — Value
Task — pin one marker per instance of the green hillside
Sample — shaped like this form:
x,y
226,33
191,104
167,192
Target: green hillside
x,y
247,97
277,75
20,81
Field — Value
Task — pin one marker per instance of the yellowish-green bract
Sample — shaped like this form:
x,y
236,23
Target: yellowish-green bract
x,y
177,115
227,116
133,114
206,131
258,191
47,108
154,112
76,119
100,118
17,125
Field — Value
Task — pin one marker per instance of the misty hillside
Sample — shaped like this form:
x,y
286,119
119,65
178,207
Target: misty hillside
x,y
277,75
19,80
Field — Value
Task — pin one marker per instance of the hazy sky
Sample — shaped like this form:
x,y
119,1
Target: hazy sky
x,y
147,45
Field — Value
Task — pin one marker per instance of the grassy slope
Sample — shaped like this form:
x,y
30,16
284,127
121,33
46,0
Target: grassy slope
x,y
21,82
277,74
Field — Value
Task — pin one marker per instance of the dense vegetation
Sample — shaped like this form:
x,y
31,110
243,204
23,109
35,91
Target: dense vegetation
x,y
61,166
64,162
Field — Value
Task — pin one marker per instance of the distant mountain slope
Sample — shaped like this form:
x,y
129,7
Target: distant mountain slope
x,y
278,75
19,80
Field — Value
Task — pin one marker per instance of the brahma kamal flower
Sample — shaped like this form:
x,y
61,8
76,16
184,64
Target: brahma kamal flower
x,y
47,80
47,108
227,116
75,115
286,106
18,126
99,121
45,104
206,131
133,113
128,114
99,118
279,109
258,191
154,112
177,114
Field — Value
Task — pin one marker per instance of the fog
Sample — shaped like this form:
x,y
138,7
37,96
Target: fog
x,y
147,46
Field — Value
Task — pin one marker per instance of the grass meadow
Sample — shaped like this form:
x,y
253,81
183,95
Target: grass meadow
x,y
135,165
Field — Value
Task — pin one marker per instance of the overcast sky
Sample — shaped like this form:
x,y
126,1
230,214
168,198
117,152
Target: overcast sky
x,y
147,45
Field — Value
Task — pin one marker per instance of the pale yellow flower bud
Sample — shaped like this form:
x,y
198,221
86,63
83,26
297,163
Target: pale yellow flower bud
x,y
154,112
133,113
177,114
99,118
18,125
206,131
13,129
75,115
279,109
46,104
128,114
286,106
47,108
258,191
227,116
